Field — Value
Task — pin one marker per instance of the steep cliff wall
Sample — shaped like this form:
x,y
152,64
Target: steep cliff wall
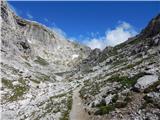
x,y
32,55
29,40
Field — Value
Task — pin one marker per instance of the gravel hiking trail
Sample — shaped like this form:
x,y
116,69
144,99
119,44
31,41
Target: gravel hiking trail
x,y
77,111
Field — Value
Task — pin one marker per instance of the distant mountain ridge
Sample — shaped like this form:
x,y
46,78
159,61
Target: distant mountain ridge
x,y
152,30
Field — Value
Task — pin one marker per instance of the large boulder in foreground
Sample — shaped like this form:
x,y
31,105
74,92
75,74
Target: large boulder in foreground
x,y
145,81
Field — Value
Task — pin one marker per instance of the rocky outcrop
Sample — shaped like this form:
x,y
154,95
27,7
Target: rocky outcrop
x,y
153,28
31,39
153,97
145,81
93,57
155,40
124,82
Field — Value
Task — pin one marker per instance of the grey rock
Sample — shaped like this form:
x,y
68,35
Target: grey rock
x,y
156,40
153,27
108,99
145,81
31,54
154,97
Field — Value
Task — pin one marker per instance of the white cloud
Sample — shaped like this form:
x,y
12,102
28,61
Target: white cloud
x,y
120,34
112,37
95,43
29,15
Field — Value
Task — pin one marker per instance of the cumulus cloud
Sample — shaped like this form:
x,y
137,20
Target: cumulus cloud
x,y
29,15
120,34
95,43
112,36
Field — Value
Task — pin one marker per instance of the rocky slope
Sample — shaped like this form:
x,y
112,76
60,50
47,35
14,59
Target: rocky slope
x,y
123,82
34,58
41,72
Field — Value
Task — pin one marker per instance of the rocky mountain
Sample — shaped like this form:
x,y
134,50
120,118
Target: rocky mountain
x,y
124,81
46,77
33,59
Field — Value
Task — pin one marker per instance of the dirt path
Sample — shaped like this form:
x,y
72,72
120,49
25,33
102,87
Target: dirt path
x,y
77,111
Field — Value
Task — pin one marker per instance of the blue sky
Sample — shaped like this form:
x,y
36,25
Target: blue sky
x,y
95,24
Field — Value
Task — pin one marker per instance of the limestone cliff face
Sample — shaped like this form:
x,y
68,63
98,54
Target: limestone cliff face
x,y
30,39
31,57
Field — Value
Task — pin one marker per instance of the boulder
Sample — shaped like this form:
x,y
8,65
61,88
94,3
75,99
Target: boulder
x,y
145,81
109,98
153,97
155,41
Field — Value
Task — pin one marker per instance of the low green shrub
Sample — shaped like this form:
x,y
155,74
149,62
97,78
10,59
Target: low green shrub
x,y
65,114
124,80
41,61
104,109
7,83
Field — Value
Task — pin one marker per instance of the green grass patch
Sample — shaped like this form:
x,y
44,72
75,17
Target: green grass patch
x,y
135,41
104,109
43,77
35,81
28,64
7,83
18,91
125,80
90,88
22,81
130,66
119,46
41,61
118,62
115,98
65,114
60,95
109,53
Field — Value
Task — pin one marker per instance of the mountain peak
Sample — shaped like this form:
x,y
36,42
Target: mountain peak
x,y
152,28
